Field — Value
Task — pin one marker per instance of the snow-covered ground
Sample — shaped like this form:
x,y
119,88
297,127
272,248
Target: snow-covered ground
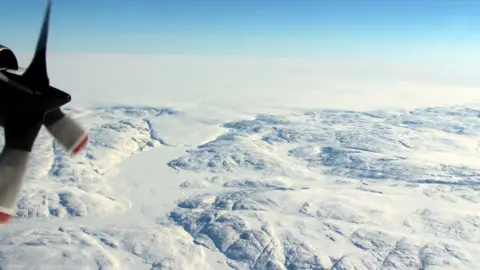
x,y
206,186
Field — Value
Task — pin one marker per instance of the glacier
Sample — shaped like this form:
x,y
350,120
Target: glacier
x,y
163,188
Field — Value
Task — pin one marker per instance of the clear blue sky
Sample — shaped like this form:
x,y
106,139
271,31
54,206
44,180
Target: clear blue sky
x,y
288,28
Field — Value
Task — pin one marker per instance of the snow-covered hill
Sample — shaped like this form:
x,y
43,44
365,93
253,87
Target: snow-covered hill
x,y
167,188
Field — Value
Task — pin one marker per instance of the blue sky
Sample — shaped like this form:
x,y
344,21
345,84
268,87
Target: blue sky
x,y
288,28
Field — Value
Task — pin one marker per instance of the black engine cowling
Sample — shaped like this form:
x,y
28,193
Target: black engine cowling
x,y
8,59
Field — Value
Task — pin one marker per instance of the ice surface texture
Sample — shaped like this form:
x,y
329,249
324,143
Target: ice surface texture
x,y
325,189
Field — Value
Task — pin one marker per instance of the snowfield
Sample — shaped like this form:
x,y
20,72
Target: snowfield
x,y
167,188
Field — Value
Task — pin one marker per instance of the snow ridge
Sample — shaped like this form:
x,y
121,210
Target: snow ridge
x,y
323,189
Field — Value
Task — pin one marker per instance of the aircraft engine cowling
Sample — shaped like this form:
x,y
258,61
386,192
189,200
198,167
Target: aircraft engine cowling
x,y
8,59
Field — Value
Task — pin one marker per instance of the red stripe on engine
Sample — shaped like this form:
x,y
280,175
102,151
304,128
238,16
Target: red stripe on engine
x,y
5,218
80,145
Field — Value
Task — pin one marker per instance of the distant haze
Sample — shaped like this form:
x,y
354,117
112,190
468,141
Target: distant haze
x,y
258,53
242,81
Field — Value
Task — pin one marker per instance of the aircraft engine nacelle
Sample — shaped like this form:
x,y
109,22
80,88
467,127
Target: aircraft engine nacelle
x,y
8,59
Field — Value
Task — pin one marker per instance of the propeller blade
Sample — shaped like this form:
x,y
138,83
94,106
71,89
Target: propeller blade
x,y
37,70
